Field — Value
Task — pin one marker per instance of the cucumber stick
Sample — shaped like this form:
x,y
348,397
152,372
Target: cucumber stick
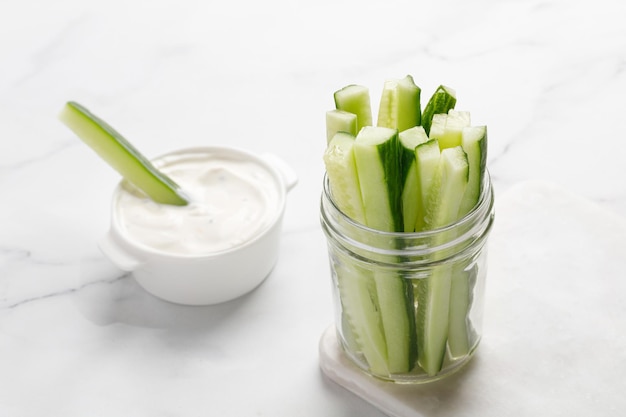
x,y
415,171
438,125
395,302
377,161
450,183
356,286
474,143
400,105
344,181
427,156
433,292
121,155
340,121
442,100
448,128
359,302
410,139
461,334
355,99
376,154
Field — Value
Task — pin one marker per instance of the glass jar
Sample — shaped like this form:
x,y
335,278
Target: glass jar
x,y
408,306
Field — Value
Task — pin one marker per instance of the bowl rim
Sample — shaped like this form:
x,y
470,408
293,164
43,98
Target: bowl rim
x,y
137,247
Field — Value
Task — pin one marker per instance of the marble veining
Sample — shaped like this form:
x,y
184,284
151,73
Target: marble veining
x,y
79,337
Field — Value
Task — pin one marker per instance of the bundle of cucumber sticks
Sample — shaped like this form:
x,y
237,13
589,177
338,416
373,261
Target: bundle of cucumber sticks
x,y
414,170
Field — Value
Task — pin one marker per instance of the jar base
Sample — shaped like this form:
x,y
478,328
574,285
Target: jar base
x,y
416,376
392,397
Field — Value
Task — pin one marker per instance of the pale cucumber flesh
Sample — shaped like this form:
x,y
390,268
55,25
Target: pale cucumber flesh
x,y
434,291
344,181
451,181
433,299
355,99
427,157
360,307
460,334
340,121
438,126
442,100
395,299
455,122
362,322
474,143
400,105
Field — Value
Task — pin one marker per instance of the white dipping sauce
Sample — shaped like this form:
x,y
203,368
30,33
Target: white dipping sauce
x,y
233,199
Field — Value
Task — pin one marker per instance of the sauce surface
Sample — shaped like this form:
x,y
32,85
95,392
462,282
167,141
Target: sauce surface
x,y
233,199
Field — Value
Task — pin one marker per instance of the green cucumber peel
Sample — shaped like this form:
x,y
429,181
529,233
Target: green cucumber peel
x,y
433,292
121,155
443,99
448,128
376,154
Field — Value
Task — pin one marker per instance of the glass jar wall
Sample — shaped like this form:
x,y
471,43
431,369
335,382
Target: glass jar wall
x,y
408,306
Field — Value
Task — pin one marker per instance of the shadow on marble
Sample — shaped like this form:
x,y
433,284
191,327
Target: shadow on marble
x,y
108,295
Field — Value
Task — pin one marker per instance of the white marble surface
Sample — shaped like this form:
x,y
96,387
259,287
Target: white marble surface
x,y
554,341
78,338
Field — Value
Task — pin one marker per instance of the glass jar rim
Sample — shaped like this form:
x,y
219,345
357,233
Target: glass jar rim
x,y
485,199
452,238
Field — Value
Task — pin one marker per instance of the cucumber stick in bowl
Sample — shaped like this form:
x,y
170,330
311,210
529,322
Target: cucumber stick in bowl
x,y
405,180
121,155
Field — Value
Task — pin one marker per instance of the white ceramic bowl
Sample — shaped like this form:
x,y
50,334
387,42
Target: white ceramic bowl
x,y
207,278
